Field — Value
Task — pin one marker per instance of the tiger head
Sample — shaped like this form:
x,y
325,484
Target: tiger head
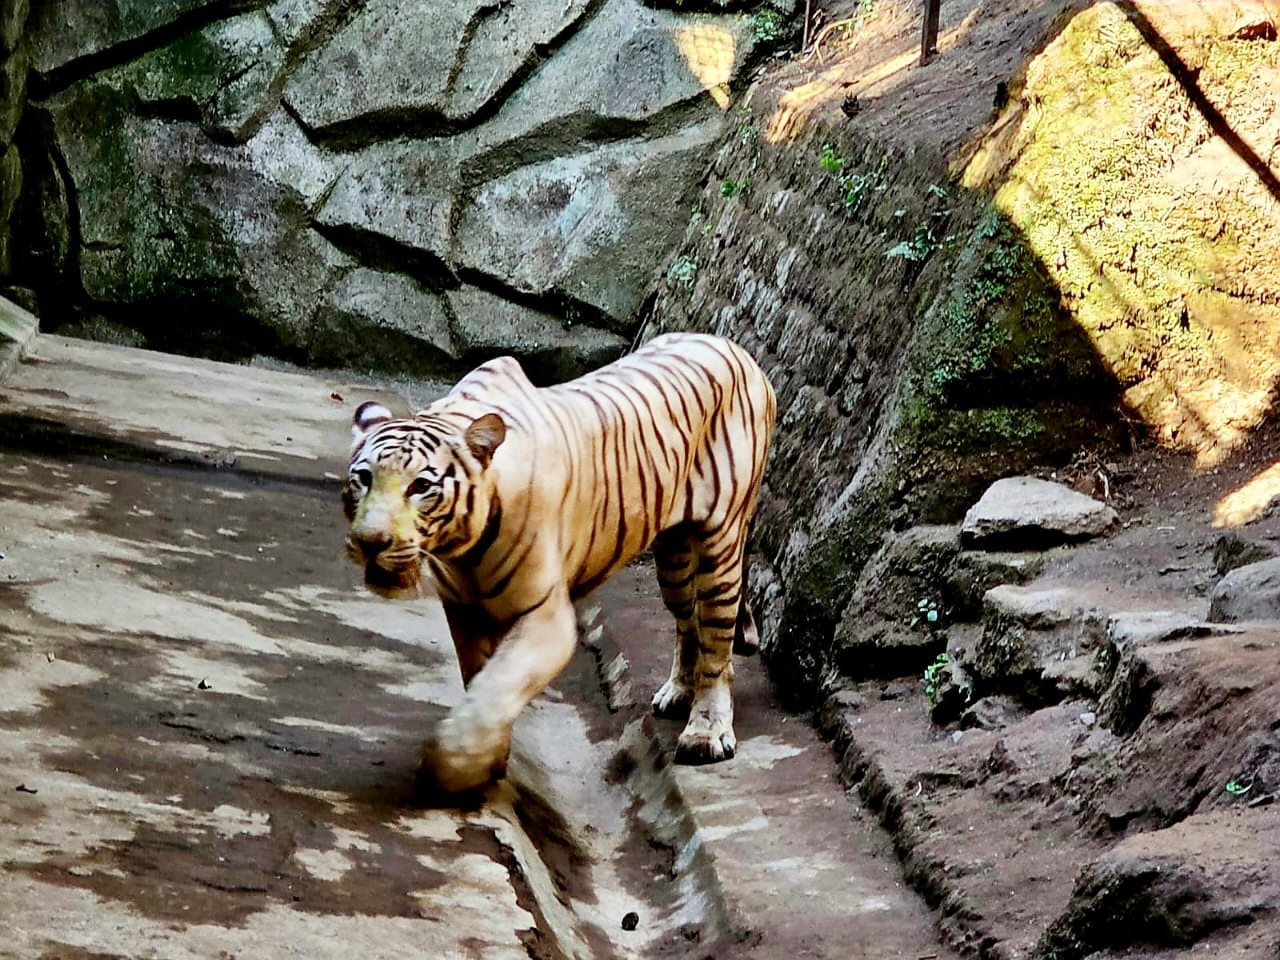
x,y
416,487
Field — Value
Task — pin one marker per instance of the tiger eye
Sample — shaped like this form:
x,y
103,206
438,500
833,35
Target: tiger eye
x,y
419,486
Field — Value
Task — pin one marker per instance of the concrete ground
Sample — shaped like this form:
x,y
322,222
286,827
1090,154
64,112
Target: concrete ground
x,y
209,729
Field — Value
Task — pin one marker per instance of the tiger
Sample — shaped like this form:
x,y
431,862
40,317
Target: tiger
x,y
515,501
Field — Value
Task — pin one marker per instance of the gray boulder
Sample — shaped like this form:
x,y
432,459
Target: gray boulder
x,y
397,199
658,63
1251,592
1134,628
224,73
60,32
910,592
1026,512
549,349
382,320
401,61
590,228
168,217
1043,642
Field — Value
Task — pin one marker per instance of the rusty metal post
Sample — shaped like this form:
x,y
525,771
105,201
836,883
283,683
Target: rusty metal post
x,y
929,35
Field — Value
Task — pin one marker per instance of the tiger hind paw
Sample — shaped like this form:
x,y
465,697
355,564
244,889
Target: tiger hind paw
x,y
672,700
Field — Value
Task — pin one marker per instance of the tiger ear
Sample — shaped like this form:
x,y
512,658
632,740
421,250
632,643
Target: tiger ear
x,y
484,436
368,415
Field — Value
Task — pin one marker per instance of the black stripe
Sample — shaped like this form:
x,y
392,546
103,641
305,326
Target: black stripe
x,y
475,553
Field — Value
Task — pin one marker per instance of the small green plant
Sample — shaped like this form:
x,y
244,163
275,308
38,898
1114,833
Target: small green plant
x,y
831,161
731,188
935,675
856,187
682,271
926,612
697,219
917,248
767,24
1238,789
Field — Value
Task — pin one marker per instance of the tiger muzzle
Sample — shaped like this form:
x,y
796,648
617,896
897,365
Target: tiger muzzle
x,y
388,570
368,549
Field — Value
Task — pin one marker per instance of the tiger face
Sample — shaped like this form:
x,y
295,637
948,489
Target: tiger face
x,y
416,487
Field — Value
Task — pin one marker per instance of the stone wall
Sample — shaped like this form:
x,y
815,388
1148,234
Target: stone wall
x,y
13,95
916,348
373,183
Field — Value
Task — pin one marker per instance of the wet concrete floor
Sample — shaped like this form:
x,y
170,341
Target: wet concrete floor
x,y
208,730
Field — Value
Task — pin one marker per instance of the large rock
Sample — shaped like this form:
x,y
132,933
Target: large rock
x,y
168,217
1196,714
1029,512
401,60
1130,628
398,194
224,73
588,228
915,587
1174,887
381,320
658,62
550,349
1044,642
1251,592
60,31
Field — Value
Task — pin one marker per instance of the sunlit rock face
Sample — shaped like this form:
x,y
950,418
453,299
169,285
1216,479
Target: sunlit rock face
x,y
374,183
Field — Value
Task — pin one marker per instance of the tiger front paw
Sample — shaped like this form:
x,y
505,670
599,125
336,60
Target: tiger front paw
x,y
460,758
672,699
708,738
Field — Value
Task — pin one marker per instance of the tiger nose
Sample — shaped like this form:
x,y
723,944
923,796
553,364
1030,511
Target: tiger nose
x,y
372,546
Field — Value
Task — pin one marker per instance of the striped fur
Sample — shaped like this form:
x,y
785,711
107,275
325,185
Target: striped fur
x,y
519,500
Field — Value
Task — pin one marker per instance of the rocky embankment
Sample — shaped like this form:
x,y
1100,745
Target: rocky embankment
x,y
1066,718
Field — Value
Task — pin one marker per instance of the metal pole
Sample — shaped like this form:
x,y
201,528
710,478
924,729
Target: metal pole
x,y
929,35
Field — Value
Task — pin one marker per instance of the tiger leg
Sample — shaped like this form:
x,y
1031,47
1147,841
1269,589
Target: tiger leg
x,y
469,747
708,736
474,638
746,639
676,559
